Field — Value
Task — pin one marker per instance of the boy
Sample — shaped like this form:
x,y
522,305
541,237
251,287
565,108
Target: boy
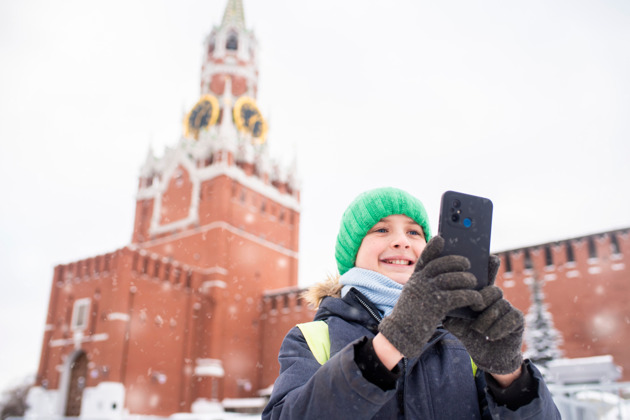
x,y
393,353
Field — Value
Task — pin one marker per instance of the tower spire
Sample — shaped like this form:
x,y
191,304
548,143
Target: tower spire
x,y
233,14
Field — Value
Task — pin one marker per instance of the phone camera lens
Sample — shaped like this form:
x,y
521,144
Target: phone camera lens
x,y
455,217
456,203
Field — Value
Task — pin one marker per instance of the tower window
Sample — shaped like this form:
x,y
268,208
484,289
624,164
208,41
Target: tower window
x,y
548,257
570,254
80,314
188,279
592,251
508,262
232,42
528,260
614,244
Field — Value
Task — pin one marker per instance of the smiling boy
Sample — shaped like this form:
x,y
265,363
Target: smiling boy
x,y
392,247
389,354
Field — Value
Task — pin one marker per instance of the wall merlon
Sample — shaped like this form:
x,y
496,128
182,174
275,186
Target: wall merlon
x,y
278,302
600,248
85,269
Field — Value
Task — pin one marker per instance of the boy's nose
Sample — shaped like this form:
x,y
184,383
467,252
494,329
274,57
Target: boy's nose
x,y
400,241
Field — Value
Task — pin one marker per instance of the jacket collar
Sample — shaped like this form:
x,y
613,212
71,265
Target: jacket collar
x,y
353,307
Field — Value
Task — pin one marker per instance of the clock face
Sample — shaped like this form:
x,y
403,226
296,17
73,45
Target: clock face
x,y
204,114
248,119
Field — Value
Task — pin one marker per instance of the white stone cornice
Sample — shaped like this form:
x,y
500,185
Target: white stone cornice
x,y
228,227
209,367
251,182
207,286
84,339
118,316
213,270
234,172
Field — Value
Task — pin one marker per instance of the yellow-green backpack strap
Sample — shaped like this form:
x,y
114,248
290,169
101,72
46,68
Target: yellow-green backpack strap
x,y
317,338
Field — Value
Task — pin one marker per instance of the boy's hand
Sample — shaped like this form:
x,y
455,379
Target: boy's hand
x,y
437,286
494,338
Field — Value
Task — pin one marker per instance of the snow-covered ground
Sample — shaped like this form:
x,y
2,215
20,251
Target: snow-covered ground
x,y
604,401
592,403
590,406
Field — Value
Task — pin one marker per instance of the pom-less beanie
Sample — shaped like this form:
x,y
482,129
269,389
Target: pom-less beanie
x,y
365,211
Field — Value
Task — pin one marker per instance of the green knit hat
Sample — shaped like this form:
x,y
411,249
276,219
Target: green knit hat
x,y
365,211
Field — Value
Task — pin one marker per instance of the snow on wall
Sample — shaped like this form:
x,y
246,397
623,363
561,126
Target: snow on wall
x,y
104,401
40,402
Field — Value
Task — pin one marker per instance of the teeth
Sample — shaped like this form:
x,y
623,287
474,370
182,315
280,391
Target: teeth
x,y
400,262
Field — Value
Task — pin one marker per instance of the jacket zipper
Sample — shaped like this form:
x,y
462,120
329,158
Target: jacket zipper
x,y
377,317
401,395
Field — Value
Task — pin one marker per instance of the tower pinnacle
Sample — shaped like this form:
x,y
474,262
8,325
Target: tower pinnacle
x,y
234,15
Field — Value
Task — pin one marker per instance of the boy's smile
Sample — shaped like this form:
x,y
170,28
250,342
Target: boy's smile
x,y
392,247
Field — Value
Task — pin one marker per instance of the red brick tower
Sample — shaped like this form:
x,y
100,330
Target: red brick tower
x,y
216,203
172,322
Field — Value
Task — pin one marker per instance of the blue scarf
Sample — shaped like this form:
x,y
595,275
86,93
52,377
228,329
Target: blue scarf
x,y
381,290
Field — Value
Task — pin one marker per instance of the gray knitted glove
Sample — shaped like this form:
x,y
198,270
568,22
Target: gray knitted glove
x,y
437,286
494,338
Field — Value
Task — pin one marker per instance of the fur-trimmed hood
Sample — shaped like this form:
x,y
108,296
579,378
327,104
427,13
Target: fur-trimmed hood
x,y
330,287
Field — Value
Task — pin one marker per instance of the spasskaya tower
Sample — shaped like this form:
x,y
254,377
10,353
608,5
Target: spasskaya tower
x,y
175,321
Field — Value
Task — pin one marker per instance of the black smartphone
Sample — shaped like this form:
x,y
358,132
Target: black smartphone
x,y
466,225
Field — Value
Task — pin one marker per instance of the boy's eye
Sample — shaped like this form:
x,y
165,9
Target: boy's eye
x,y
381,230
415,232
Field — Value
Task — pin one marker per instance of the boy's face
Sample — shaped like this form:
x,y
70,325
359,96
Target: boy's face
x,y
392,247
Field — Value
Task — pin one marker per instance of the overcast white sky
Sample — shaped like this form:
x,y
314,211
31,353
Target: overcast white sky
x,y
524,102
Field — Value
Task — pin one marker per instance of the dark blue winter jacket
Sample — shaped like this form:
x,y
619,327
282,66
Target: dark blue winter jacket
x,y
437,385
